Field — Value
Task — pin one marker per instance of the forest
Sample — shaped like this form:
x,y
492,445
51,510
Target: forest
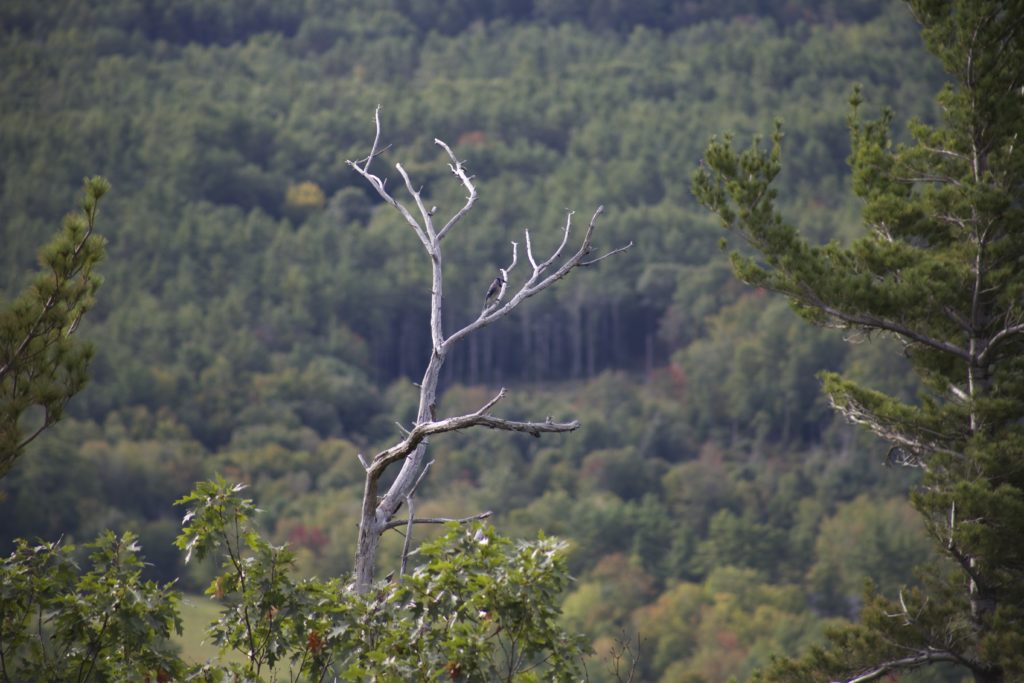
x,y
265,317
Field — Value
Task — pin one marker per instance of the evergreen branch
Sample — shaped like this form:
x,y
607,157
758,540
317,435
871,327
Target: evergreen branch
x,y
888,419
928,178
869,321
944,152
47,422
998,337
33,331
40,365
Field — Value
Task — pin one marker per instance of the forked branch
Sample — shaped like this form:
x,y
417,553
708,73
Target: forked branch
x,y
480,418
378,511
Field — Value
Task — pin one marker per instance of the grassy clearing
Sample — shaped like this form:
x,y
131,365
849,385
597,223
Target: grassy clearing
x,y
197,611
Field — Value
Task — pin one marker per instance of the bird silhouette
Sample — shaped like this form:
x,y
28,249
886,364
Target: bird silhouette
x,y
493,290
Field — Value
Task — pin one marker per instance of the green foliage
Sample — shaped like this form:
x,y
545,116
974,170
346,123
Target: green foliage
x,y
726,626
213,273
752,376
41,365
58,622
477,606
866,539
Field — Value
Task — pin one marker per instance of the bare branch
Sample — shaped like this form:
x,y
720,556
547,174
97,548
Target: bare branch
x,y
410,501
515,258
460,173
529,250
574,260
376,140
486,408
378,153
926,657
452,424
379,184
997,338
421,231
621,650
394,524
911,447
613,252
537,283
426,468
565,240
862,320
407,543
944,152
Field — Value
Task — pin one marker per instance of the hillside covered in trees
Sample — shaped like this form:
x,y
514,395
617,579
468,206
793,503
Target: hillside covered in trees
x,y
264,315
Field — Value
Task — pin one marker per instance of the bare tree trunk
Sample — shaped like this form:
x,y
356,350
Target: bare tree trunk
x,y
378,510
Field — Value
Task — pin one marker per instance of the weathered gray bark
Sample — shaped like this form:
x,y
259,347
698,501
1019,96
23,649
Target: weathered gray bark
x,y
379,508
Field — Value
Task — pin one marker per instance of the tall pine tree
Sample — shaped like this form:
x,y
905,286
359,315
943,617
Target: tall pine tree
x,y
42,365
941,268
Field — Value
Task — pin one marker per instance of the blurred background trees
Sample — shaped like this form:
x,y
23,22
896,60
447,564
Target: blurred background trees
x,y
262,316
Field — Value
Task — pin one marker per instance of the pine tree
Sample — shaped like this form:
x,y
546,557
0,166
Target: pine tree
x,y
42,365
941,269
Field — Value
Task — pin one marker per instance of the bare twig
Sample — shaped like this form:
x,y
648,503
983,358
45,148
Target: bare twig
x,y
623,649
410,501
376,141
459,172
613,252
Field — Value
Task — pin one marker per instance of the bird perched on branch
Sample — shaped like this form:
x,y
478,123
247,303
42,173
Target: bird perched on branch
x,y
493,290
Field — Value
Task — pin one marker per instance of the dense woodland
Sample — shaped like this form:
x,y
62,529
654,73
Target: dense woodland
x,y
263,314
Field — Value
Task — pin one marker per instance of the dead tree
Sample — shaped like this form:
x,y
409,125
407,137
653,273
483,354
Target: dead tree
x,y
378,509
